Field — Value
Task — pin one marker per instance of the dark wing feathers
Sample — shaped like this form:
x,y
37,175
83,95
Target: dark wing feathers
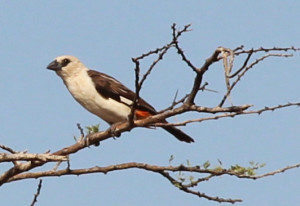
x,y
109,87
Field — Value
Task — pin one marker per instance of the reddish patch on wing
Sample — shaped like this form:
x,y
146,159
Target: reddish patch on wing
x,y
140,114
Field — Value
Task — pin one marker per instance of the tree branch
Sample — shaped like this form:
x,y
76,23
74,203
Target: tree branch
x,y
162,170
31,157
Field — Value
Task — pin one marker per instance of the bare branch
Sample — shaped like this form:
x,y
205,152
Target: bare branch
x,y
37,193
226,115
262,49
8,149
156,51
31,157
176,34
200,72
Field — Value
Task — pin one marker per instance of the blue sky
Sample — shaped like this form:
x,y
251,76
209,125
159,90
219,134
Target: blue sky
x,y
38,113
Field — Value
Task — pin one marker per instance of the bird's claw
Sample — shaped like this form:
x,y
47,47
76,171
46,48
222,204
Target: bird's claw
x,y
114,130
88,143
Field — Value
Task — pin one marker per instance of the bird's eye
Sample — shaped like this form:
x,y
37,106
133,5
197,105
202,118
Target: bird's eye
x,y
65,62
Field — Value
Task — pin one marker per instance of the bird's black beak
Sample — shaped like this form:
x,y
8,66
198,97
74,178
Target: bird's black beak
x,y
55,66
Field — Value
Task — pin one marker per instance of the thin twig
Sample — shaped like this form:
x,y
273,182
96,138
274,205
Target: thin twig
x,y
176,34
37,193
80,129
4,147
282,170
262,49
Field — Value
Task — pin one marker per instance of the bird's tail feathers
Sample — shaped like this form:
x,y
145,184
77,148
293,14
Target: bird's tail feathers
x,y
180,135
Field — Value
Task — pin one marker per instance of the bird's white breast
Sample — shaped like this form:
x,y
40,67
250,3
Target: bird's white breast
x,y
83,90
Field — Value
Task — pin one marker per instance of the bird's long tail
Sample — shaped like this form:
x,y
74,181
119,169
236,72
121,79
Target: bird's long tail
x,y
180,135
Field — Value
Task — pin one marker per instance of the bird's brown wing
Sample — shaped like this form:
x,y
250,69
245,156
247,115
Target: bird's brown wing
x,y
109,87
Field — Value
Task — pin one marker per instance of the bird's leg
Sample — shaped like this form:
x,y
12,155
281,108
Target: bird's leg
x,y
115,127
87,142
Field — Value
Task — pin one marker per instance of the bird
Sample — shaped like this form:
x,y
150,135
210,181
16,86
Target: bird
x,y
103,95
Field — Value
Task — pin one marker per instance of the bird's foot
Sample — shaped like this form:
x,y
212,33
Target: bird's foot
x,y
114,129
88,142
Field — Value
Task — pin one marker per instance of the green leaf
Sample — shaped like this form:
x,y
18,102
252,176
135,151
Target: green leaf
x,y
92,129
206,164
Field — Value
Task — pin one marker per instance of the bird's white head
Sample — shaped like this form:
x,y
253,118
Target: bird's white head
x,y
67,66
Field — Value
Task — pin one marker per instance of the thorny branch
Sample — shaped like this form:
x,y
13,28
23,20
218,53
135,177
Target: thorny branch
x,y
24,162
228,114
